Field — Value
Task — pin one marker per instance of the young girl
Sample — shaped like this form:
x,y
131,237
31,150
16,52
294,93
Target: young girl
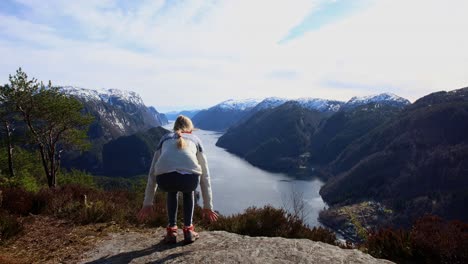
x,y
179,164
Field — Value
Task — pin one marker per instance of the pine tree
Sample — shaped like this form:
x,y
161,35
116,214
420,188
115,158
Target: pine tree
x,y
54,120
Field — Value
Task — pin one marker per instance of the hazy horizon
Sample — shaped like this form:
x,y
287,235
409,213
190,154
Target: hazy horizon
x,y
182,55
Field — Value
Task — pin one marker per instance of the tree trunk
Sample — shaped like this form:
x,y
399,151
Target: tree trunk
x,y
9,149
53,164
50,181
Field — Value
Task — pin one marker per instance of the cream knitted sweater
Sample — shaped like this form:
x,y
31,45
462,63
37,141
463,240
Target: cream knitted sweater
x,y
189,160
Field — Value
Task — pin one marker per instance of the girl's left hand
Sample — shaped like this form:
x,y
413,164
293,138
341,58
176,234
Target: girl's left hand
x,y
212,216
144,213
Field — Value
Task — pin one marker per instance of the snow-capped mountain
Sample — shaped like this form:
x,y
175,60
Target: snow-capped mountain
x,y
223,115
128,101
322,105
116,113
106,95
383,98
241,105
235,111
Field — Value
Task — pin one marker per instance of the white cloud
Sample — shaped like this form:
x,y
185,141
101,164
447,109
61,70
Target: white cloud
x,y
198,53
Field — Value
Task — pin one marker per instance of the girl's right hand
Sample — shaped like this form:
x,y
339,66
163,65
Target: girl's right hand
x,y
144,213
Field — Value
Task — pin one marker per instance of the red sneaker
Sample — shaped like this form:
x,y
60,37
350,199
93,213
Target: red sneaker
x,y
190,235
171,235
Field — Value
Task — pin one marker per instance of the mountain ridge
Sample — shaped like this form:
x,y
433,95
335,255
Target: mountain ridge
x,y
226,114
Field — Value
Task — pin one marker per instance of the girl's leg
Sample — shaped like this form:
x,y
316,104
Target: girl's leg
x,y
188,208
185,183
172,208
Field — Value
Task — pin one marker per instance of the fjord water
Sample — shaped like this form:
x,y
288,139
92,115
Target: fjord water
x,y
237,185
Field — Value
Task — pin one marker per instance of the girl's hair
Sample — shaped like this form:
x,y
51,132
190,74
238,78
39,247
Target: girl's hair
x,y
182,124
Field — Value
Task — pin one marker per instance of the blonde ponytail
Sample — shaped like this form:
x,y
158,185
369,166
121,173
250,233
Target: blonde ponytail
x,y
180,141
181,125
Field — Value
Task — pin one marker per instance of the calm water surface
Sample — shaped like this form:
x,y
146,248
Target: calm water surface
x,y
237,185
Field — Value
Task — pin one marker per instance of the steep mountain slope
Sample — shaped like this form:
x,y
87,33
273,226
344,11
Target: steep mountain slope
x,y
417,161
116,113
221,116
159,117
274,139
347,125
131,155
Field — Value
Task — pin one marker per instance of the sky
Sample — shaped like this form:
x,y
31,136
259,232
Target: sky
x,y
194,54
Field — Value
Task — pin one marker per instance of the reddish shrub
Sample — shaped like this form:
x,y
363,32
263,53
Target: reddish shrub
x,y
431,240
390,244
57,201
17,201
437,241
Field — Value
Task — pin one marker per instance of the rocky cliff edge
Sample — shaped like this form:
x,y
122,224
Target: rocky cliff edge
x,y
218,247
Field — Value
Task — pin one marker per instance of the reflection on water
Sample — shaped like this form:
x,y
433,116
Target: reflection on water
x,y
237,185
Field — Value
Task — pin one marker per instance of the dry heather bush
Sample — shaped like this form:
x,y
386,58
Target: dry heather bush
x,y
69,202
271,222
87,205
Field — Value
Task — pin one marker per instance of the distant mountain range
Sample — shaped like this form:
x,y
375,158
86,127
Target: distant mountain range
x,y
282,125
117,113
174,114
232,112
411,157
223,115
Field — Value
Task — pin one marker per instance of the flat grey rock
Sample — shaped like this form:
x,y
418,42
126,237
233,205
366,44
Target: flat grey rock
x,y
218,247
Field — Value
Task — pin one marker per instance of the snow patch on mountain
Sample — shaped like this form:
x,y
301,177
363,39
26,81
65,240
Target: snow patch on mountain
x,y
322,105
270,102
378,98
242,104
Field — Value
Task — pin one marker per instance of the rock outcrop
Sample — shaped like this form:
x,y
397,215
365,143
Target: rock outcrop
x,y
218,247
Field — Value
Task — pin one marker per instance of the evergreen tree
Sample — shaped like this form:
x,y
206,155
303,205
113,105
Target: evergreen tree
x,y
54,120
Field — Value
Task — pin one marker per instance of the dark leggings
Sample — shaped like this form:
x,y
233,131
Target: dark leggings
x,y
174,182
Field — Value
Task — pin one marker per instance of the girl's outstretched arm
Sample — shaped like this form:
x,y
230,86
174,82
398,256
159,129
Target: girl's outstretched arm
x,y
205,182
